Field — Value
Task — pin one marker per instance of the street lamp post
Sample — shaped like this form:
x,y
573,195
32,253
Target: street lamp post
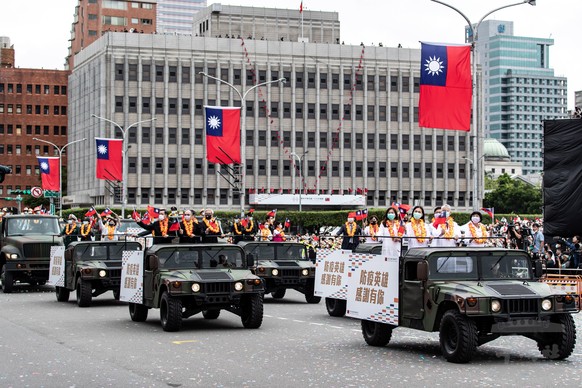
x,y
300,159
242,97
60,150
474,32
124,157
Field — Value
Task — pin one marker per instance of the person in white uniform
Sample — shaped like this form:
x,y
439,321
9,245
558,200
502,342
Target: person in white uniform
x,y
475,233
391,233
418,232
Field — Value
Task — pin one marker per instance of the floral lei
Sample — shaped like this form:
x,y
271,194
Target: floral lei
x,y
189,226
351,229
246,229
390,226
250,228
483,233
419,230
110,231
85,230
236,228
70,230
164,227
212,225
265,232
451,228
373,229
281,233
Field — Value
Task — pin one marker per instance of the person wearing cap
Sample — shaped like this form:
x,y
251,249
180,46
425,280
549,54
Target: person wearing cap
x,y
351,233
109,228
390,233
86,230
159,229
475,231
70,232
211,228
190,229
447,233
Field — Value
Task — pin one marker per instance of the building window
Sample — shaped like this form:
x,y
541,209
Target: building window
x,y
119,71
393,141
119,104
159,166
159,73
393,169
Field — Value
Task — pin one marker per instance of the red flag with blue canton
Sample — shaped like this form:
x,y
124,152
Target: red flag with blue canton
x,y
49,173
488,211
106,212
109,159
287,223
145,218
91,212
440,219
153,212
359,215
445,87
135,215
222,134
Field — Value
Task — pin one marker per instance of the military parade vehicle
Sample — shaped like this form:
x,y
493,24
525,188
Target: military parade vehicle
x,y
92,268
25,243
283,266
186,279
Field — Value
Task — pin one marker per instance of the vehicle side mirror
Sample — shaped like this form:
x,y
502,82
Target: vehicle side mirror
x,y
422,270
538,269
152,263
250,260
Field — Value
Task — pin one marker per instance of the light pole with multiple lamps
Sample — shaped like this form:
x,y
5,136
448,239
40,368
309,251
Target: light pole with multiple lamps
x,y
243,144
474,33
125,148
301,187
60,150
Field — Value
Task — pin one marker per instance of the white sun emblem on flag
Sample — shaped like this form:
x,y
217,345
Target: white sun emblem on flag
x,y
434,65
44,166
213,122
102,149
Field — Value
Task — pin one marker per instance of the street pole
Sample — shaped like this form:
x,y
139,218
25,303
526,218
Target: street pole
x,y
474,32
124,167
60,150
302,184
243,139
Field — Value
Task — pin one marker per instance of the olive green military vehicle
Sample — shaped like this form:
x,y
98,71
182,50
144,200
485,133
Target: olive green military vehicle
x,y
186,279
25,244
282,266
474,295
92,268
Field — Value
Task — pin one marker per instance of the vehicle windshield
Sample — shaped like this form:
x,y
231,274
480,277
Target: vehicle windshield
x,y
197,258
277,251
32,226
129,226
487,266
105,251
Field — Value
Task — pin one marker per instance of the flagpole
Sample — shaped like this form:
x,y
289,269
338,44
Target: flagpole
x,y
301,21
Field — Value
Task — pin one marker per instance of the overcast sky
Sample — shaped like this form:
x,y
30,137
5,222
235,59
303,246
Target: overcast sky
x,y
40,29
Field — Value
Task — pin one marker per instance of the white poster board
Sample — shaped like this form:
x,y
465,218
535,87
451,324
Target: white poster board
x,y
57,266
333,270
373,291
132,277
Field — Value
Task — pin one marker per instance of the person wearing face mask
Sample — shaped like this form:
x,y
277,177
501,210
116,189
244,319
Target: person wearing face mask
x,y
391,233
351,233
109,228
372,231
159,229
417,231
86,230
447,233
475,231
190,229
70,232
211,228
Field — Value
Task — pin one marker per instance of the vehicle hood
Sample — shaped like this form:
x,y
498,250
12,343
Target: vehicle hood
x,y
287,264
99,263
496,289
34,239
210,275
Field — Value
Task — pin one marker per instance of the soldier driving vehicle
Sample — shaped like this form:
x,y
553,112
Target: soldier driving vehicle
x,y
186,279
282,266
25,243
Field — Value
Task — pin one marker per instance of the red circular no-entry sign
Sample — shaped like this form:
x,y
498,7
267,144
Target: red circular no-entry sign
x,y
36,192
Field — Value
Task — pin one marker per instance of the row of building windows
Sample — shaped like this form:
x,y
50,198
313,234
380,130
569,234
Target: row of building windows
x,y
10,129
17,170
533,81
16,149
38,109
38,89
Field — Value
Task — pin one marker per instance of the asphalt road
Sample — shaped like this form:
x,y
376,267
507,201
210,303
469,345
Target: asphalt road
x,y
44,343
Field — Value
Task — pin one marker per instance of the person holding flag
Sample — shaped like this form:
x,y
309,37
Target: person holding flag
x,y
351,233
109,227
211,228
391,232
279,234
417,231
448,231
70,232
86,230
159,229
475,230
190,229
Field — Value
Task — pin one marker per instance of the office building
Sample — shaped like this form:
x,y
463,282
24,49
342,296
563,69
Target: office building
x,y
175,16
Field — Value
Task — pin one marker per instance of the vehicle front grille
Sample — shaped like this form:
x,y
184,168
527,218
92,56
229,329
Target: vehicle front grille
x,y
283,263
37,250
115,273
520,306
217,288
290,273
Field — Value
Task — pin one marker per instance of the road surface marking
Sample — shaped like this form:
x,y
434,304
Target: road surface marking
x,y
183,342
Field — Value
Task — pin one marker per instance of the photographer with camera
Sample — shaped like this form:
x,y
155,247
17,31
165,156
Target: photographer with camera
x,y
574,247
516,236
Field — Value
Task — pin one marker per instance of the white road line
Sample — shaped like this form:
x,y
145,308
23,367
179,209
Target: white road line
x,y
316,324
282,318
298,321
336,327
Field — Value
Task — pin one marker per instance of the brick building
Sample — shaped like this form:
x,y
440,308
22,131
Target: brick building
x,y
33,103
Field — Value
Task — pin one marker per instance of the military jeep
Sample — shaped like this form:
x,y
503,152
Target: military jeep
x,y
186,279
92,268
282,266
25,243
472,296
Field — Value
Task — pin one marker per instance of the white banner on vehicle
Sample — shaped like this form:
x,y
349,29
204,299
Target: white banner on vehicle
x,y
132,277
333,270
57,266
373,291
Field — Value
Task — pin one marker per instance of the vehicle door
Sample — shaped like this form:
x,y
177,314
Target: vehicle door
x,y
411,291
150,270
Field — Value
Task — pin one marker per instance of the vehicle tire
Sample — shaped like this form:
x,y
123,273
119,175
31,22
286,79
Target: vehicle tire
x,y
252,311
33,283
170,312
376,333
62,294
138,312
560,345
335,307
84,292
116,294
309,290
458,337
211,314
41,282
7,281
279,294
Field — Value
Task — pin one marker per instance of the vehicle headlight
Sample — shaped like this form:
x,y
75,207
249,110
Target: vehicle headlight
x,y
495,306
13,256
195,287
238,286
305,272
546,304
275,272
102,273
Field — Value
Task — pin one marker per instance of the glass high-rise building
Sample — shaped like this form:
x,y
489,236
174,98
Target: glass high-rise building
x,y
520,90
176,16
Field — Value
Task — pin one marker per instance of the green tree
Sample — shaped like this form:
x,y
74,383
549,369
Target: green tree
x,y
514,196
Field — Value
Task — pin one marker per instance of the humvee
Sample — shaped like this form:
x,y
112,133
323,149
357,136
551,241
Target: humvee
x,y
282,266
25,242
92,268
185,279
472,296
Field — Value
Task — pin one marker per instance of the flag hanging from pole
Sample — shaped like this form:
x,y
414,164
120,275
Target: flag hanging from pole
x,y
445,87
222,134
49,173
109,159
301,8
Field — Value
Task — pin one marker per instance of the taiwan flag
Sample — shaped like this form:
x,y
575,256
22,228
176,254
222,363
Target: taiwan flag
x,y
222,134
50,174
109,159
445,87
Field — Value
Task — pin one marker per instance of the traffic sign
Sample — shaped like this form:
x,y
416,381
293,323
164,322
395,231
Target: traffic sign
x,y
51,194
36,192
